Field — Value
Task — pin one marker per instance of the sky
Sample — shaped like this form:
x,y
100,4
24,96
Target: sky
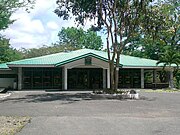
x,y
37,28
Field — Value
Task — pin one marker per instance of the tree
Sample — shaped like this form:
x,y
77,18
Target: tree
x,y
44,50
145,47
6,52
78,38
7,8
160,37
177,79
168,59
120,19
162,33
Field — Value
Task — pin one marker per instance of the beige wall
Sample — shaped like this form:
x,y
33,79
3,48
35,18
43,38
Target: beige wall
x,y
7,82
81,64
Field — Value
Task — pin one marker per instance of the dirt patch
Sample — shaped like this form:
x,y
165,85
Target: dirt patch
x,y
11,125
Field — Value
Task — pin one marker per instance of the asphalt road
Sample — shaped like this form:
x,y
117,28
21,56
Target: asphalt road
x,y
77,113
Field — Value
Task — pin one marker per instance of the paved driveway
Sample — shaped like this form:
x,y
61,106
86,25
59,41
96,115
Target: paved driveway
x,y
77,113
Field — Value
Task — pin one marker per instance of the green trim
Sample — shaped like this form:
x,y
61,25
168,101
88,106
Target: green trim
x,y
81,57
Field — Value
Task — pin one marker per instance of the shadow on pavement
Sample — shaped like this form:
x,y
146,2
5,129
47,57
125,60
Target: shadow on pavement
x,y
70,97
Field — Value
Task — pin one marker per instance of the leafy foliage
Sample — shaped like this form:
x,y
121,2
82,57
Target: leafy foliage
x,y
159,32
159,36
78,38
8,7
177,79
6,52
44,50
169,58
120,19
80,9
69,39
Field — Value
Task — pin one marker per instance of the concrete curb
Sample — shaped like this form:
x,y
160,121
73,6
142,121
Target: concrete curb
x,y
2,96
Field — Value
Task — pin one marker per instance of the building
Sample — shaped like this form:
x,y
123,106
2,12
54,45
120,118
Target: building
x,y
81,69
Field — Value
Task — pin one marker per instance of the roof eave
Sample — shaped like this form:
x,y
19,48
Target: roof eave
x,y
30,65
144,67
7,69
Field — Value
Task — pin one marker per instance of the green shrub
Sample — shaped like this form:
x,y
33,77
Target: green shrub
x,y
177,80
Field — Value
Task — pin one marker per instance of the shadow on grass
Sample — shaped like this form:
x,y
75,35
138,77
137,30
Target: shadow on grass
x,y
69,97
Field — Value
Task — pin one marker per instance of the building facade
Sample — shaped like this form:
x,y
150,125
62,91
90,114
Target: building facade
x,y
83,69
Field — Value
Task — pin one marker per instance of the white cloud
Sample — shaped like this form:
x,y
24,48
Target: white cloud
x,y
29,30
38,27
52,25
26,40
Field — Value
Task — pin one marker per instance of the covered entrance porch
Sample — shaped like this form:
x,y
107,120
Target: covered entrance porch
x,y
86,74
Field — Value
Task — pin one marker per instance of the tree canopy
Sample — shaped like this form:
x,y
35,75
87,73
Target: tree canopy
x,y
160,40
7,53
120,19
162,34
78,38
44,50
7,8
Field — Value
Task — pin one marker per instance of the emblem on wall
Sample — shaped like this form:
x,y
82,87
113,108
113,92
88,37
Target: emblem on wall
x,y
88,61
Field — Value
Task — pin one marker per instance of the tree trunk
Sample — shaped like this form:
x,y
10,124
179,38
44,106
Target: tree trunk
x,y
117,72
116,77
111,65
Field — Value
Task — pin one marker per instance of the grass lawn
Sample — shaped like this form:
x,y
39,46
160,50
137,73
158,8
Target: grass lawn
x,y
11,125
162,90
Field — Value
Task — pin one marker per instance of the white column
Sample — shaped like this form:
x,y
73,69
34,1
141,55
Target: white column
x,y
104,78
108,78
62,78
65,78
19,78
142,78
171,82
154,76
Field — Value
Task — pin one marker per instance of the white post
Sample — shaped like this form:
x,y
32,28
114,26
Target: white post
x,y
65,78
171,82
62,78
19,78
142,78
104,78
108,78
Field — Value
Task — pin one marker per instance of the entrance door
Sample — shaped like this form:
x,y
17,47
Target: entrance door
x,y
87,78
82,79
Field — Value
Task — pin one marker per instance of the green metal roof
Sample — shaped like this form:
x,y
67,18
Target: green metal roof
x,y
129,61
62,58
3,66
56,59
